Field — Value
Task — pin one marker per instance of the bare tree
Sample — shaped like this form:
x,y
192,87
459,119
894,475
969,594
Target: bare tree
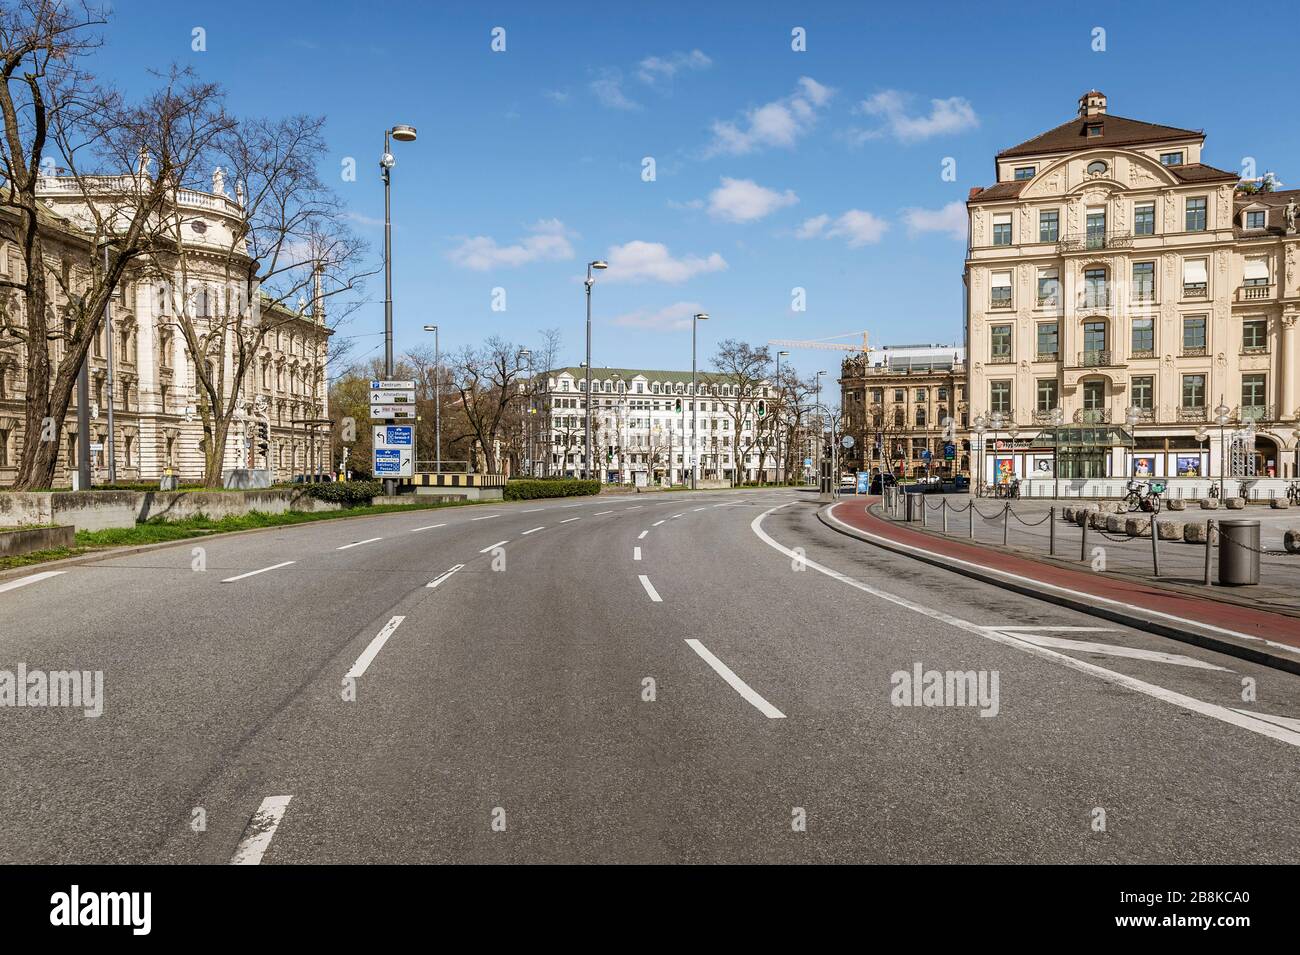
x,y
51,107
795,397
487,384
746,369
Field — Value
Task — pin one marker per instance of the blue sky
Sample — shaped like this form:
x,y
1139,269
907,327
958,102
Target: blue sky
x,y
774,169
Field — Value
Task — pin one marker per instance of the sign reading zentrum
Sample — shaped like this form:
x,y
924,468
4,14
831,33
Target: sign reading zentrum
x,y
394,444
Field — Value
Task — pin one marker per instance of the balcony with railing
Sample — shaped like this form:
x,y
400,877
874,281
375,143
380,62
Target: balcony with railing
x,y
1142,353
1091,241
1256,413
1094,299
1095,358
1193,351
1256,293
1001,359
1193,413
1047,356
1254,349
1092,416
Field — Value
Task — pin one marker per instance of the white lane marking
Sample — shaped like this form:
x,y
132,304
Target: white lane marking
x,y
571,505
568,519
1056,629
1214,711
598,513
633,507
656,523
494,546
369,540
1112,650
650,589
532,510
675,516
443,576
254,573
642,535
487,518
372,649
534,530
1089,598
427,527
24,581
699,508
1287,721
636,553
260,829
737,684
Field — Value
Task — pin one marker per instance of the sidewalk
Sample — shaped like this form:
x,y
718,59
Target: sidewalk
x,y
1257,623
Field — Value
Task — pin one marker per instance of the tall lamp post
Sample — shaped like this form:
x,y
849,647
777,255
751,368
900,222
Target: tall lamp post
x,y
780,413
695,404
403,134
980,424
1058,416
594,264
821,428
1221,419
1201,434
528,415
1131,415
437,399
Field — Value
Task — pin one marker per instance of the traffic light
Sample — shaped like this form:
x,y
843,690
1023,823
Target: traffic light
x,y
609,453
677,406
263,439
762,408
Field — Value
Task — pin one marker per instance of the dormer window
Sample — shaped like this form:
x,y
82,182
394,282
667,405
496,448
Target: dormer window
x,y
1256,219
1025,172
1093,130
1171,159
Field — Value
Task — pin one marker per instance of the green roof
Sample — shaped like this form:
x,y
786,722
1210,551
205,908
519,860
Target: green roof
x,y
627,374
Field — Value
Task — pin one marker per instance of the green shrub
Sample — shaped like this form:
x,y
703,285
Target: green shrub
x,y
528,489
347,493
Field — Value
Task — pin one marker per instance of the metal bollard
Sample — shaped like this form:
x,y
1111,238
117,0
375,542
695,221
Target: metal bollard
x,y
970,516
1083,543
925,507
1006,519
1051,533
1155,545
1209,548
943,506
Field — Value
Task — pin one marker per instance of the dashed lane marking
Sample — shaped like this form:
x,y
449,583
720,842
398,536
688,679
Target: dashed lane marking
x,y
650,589
254,573
736,683
443,576
369,540
260,830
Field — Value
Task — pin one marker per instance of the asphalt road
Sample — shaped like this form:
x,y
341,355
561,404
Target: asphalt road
x,y
661,678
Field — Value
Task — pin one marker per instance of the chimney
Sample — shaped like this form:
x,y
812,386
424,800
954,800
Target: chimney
x,y
1092,103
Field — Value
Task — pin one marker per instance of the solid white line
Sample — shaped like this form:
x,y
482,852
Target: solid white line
x,y
650,589
699,508
1289,722
633,507
494,546
534,530
642,535
737,684
1221,713
571,505
428,527
24,581
656,523
372,650
675,516
1114,650
636,553
260,829
487,518
568,519
1086,597
598,513
532,510
441,577
359,543
254,573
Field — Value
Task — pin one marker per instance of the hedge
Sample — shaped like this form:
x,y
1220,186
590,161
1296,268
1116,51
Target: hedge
x,y
347,493
528,489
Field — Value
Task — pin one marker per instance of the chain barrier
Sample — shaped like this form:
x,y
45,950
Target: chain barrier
x,y
1258,550
1045,518
995,517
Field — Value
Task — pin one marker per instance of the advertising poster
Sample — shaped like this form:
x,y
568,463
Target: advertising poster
x,y
1189,465
1004,470
1144,465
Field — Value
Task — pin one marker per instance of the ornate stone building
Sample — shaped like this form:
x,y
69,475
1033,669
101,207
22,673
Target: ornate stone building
x,y
1125,299
155,395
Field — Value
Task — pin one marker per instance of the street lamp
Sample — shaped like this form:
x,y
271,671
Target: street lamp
x,y
1057,417
403,134
981,423
695,404
528,424
595,264
437,398
1202,433
780,408
1221,419
1131,415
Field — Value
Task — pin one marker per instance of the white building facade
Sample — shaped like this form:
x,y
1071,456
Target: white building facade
x,y
644,426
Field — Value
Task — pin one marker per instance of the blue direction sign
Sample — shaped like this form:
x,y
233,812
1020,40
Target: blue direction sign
x,y
925,454
390,462
950,452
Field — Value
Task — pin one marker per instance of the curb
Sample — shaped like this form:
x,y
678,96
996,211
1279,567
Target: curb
x,y
1222,644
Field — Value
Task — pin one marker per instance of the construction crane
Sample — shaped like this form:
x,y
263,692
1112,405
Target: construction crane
x,y
825,344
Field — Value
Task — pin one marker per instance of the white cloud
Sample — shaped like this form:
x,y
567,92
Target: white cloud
x,y
608,90
812,228
655,68
856,227
638,261
556,96
549,241
952,115
778,123
951,220
744,200
675,316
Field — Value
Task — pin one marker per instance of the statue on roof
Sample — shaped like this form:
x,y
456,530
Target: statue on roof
x,y
1289,212
218,182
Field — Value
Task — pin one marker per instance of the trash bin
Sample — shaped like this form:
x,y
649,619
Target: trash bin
x,y
1238,553
914,504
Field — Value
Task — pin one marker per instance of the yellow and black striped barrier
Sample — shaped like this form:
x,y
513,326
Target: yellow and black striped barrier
x,y
429,479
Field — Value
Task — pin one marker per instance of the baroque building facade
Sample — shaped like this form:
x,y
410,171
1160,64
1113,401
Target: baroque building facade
x,y
154,394
1127,306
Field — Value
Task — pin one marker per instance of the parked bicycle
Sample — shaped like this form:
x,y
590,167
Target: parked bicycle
x,y
1010,489
1293,492
1144,496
